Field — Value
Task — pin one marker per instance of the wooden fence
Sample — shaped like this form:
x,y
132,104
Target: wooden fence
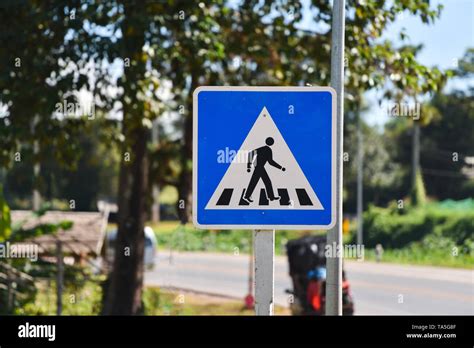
x,y
14,285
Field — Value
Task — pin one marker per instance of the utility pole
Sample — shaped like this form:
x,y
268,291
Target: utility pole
x,y
155,209
416,153
334,236
36,168
360,173
36,173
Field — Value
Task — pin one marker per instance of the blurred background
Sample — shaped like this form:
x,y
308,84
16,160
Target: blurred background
x,y
96,154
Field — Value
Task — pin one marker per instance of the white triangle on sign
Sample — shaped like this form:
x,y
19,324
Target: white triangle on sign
x,y
290,187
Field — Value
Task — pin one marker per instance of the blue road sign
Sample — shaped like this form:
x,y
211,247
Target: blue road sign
x,y
264,157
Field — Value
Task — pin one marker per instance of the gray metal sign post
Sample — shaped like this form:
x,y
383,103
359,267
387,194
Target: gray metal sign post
x,y
334,237
264,253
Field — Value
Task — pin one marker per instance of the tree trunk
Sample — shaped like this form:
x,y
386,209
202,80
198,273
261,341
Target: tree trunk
x,y
123,293
125,285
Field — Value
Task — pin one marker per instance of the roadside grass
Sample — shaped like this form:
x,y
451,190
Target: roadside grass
x,y
87,301
171,234
166,302
436,233
423,257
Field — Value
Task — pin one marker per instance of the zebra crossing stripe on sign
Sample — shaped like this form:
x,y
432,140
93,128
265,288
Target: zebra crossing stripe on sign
x,y
264,174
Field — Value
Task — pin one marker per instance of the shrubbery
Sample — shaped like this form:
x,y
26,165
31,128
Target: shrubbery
x,y
188,238
431,226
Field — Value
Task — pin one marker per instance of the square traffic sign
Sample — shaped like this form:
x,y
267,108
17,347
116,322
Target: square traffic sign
x,y
264,157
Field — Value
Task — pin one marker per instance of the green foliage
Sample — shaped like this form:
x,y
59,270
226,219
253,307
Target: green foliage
x,y
460,230
16,234
160,301
446,139
94,177
20,233
466,64
157,301
187,238
34,79
77,300
391,229
5,219
421,253
249,43
426,225
382,177
445,145
81,290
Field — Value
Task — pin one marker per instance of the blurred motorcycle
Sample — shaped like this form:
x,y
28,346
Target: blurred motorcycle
x,y
307,263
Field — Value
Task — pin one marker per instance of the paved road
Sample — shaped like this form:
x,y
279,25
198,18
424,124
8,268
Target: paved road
x,y
377,288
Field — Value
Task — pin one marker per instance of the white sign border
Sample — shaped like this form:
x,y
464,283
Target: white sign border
x,y
264,226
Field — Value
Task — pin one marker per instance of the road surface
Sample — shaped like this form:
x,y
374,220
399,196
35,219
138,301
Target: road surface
x,y
378,289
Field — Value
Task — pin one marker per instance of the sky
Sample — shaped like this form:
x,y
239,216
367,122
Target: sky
x,y
444,42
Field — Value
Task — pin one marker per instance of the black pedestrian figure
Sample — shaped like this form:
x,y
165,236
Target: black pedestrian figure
x,y
259,157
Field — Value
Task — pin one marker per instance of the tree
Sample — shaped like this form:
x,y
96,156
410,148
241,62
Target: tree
x,y
447,144
447,138
37,75
94,176
123,294
382,176
196,49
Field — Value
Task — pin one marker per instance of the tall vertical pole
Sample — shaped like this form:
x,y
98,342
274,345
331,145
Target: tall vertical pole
x,y
36,173
360,172
415,154
334,237
264,251
251,271
36,168
155,209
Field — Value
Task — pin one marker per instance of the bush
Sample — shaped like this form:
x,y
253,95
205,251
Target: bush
x,y
187,238
397,229
458,228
